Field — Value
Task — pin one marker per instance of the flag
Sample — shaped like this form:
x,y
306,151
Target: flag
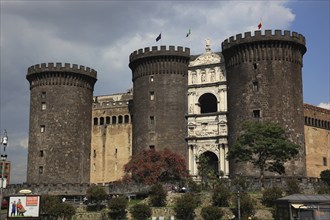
x,y
189,32
260,24
159,37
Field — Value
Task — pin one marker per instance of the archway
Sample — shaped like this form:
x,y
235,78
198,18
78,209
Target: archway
x,y
208,103
210,163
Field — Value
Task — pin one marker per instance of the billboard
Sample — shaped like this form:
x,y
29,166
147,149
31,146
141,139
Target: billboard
x,y
26,206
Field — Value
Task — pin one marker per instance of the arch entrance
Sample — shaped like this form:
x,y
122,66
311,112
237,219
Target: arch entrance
x,y
211,162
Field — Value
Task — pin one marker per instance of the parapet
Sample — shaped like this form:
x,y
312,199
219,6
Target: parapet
x,y
278,35
162,51
58,67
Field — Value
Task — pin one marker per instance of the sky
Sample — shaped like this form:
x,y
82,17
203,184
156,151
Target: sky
x,y
102,34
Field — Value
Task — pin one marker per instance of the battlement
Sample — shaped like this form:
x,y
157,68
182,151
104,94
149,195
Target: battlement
x,y
277,35
162,51
59,67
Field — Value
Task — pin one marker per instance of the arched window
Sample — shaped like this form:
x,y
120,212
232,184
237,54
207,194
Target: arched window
x,y
114,120
107,120
101,121
96,121
126,119
208,103
212,161
120,119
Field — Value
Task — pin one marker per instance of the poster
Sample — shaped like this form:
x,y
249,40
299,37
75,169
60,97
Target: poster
x,y
23,206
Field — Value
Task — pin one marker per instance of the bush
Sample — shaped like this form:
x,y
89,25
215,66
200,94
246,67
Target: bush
x,y
185,206
117,208
246,205
157,196
270,195
141,212
96,194
63,211
325,176
211,213
221,196
292,187
323,189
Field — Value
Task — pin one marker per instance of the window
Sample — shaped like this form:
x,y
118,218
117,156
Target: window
x,y
120,119
41,153
152,95
255,87
126,119
43,95
41,170
42,128
255,66
101,121
114,120
152,120
43,106
107,120
94,153
256,113
152,147
208,103
325,161
96,121
151,78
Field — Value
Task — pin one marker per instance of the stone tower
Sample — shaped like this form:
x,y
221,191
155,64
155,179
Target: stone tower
x,y
264,78
60,123
160,79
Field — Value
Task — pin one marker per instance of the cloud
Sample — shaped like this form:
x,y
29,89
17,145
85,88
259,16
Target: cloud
x,y
325,105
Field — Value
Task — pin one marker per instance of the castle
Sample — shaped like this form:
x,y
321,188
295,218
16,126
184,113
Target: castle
x,y
190,104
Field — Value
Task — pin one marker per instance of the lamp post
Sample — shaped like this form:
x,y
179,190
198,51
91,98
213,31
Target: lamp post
x,y
4,142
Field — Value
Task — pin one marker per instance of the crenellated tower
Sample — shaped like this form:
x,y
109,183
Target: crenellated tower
x,y
160,80
60,123
264,78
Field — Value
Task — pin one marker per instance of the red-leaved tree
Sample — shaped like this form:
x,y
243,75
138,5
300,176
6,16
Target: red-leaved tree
x,y
151,166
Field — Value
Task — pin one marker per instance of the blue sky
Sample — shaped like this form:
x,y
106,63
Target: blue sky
x,y
102,34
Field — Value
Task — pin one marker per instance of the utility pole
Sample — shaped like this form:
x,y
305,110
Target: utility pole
x,y
4,142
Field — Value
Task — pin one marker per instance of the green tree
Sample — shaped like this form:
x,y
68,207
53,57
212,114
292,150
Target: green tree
x,y
63,211
292,187
96,194
118,208
53,208
157,196
221,196
264,144
141,212
185,206
246,205
151,166
269,196
325,176
211,213
205,170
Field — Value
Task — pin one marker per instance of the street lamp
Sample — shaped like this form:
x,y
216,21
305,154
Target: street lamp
x,y
4,142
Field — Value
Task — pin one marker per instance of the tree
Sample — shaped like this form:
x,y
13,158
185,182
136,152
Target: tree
x,y
205,170
221,196
265,145
325,176
269,196
185,206
97,194
151,166
141,212
157,196
211,213
118,208
53,207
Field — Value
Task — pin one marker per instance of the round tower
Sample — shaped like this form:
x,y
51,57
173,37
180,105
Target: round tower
x,y
160,80
60,123
264,78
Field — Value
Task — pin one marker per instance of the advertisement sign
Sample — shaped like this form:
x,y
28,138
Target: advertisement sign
x,y
26,206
